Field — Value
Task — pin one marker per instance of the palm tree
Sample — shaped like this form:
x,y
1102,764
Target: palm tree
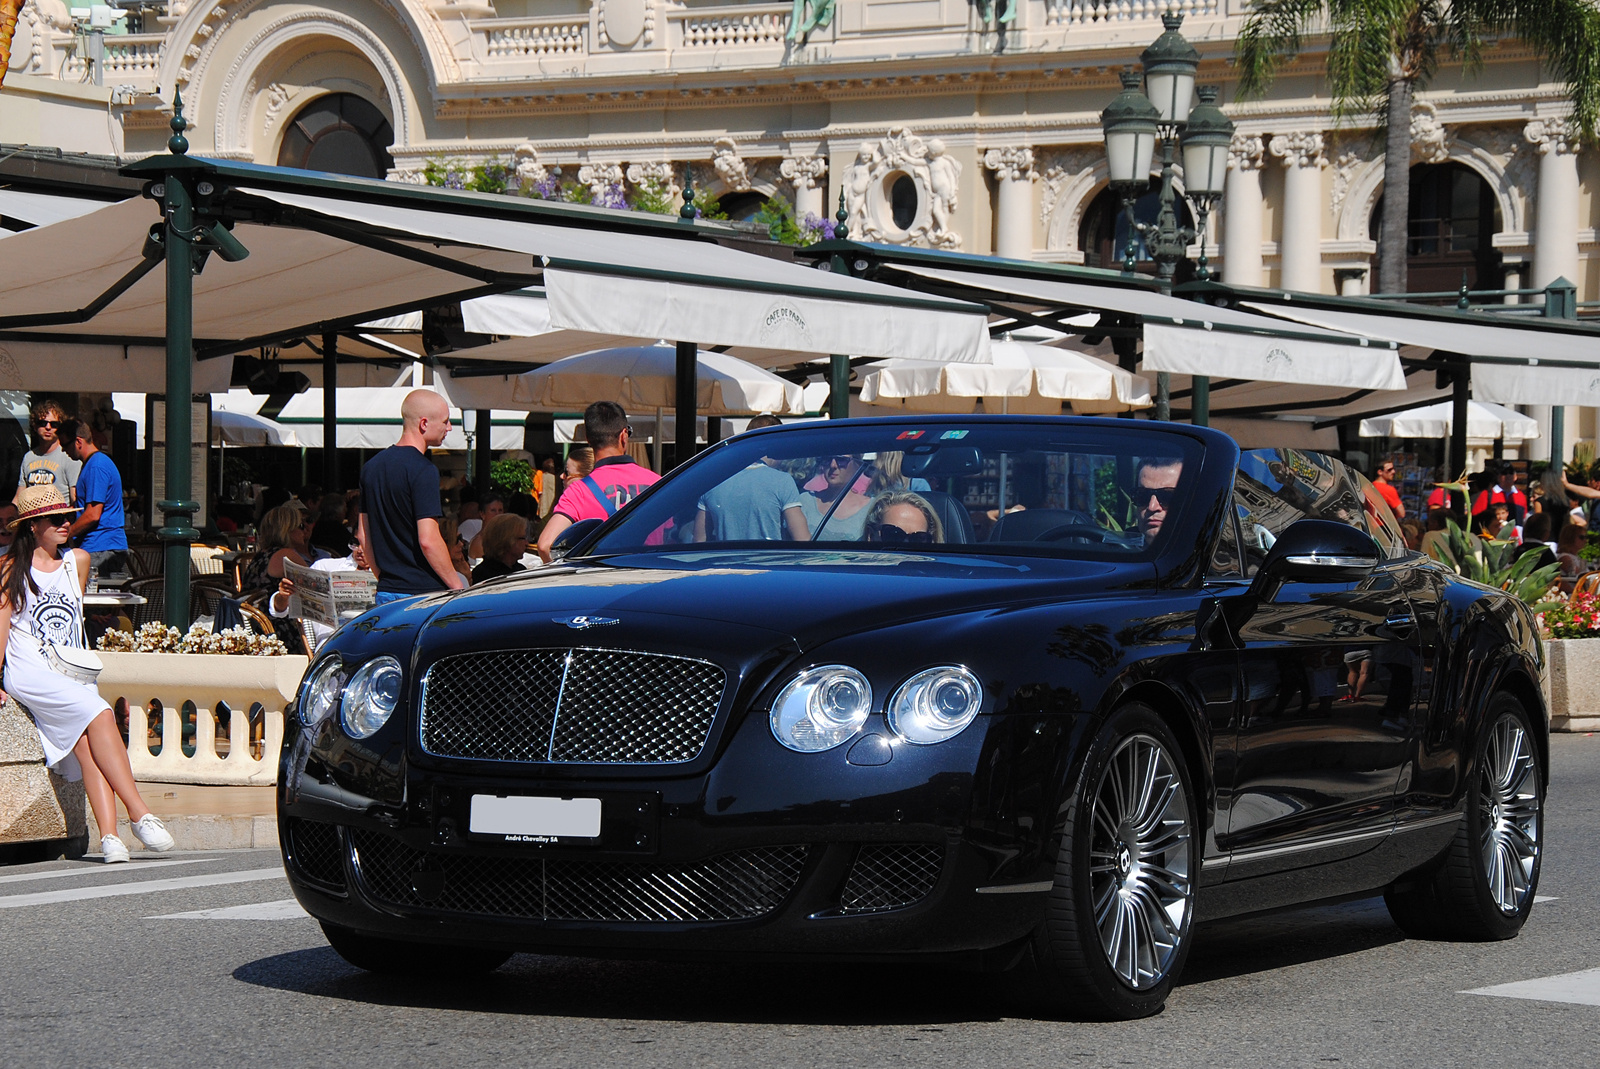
x,y
1381,51
9,10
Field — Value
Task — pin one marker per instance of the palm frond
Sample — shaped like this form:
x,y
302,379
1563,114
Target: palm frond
x,y
1565,32
1270,38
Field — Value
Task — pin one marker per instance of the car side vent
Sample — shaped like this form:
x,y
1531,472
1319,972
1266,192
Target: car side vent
x,y
891,876
315,852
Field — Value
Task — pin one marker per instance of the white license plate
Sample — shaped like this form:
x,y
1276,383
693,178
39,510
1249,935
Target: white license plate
x,y
518,817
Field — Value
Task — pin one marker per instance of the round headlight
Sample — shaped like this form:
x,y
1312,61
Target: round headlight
x,y
372,696
319,694
821,707
935,705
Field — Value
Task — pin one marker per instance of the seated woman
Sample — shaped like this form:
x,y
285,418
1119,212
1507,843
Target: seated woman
x,y
505,540
902,516
838,475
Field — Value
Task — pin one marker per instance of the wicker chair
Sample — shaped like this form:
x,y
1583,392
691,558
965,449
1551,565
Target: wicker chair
x,y
1587,584
146,561
258,620
204,596
153,589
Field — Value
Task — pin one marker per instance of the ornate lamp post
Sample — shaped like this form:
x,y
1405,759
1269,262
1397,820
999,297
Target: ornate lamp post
x,y
1165,112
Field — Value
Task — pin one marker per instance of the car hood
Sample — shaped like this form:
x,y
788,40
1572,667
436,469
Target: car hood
x,y
806,596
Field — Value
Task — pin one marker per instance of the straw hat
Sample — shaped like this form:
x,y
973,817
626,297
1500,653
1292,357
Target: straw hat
x,y
35,501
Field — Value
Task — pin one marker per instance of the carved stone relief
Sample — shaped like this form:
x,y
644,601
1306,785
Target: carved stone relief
x,y
527,168
877,185
656,171
729,165
1430,141
601,178
1068,182
1246,152
1300,149
1011,164
803,172
625,23
1552,135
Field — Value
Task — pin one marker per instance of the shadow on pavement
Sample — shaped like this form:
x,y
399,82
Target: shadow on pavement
x,y
1244,945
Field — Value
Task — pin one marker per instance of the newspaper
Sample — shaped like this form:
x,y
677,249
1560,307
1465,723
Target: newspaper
x,y
322,597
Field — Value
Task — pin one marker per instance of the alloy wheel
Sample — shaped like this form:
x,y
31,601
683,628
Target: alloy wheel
x,y
1139,857
1508,800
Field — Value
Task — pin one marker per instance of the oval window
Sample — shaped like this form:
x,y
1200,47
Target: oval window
x,y
903,202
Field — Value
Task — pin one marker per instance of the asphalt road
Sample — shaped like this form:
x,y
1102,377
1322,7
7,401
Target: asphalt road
x,y
200,960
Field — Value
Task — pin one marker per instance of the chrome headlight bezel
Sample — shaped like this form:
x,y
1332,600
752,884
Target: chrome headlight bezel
x,y
923,709
320,690
372,696
821,708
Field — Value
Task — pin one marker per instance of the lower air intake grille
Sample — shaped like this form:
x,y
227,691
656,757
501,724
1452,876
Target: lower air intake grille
x,y
891,876
735,886
314,850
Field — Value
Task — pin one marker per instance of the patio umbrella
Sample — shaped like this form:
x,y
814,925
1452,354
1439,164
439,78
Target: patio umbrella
x,y
1484,421
247,428
1024,377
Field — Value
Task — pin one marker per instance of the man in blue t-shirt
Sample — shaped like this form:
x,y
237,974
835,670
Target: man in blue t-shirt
x,y
99,526
400,506
760,503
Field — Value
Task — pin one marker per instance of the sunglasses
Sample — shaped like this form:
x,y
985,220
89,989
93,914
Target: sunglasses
x,y
838,462
1164,496
47,423
888,532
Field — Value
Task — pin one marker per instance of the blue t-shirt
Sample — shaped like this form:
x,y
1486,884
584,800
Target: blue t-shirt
x,y
749,507
400,486
99,483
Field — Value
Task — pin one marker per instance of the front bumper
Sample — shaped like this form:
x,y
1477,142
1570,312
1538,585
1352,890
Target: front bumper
x,y
742,861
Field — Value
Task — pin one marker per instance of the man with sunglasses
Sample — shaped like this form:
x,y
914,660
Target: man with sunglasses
x,y
615,480
1153,496
47,462
1383,482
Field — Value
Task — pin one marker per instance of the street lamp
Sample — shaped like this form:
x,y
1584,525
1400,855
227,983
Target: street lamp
x,y
1166,112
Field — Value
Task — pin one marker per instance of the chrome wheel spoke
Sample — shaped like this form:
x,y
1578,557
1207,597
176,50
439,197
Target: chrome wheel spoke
x,y
1139,861
1508,807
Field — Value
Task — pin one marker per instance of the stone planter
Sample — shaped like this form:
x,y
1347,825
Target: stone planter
x,y
202,683
1574,686
36,805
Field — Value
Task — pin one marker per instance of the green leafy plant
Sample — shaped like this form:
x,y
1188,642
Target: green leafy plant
x,y
511,475
1499,566
778,217
652,196
1591,546
1582,465
708,205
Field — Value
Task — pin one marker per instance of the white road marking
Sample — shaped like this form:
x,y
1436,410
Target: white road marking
x,y
141,887
1581,988
282,910
103,870
1545,898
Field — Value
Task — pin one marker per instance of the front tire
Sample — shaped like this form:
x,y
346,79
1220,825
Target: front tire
x,y
1117,931
1483,888
395,957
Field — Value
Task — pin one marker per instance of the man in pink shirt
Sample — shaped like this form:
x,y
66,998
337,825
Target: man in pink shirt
x,y
615,481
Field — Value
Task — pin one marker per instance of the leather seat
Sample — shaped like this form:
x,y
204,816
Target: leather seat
x,y
1029,524
953,516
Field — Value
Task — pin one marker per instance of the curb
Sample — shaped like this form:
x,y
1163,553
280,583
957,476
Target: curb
x,y
204,833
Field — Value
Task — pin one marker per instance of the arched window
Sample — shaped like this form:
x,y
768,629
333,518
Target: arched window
x,y
1103,235
340,133
742,206
1452,221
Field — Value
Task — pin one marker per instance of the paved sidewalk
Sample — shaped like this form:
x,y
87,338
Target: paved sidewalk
x,y
204,818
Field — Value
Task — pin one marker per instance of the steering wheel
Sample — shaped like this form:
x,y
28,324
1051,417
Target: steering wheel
x,y
1074,530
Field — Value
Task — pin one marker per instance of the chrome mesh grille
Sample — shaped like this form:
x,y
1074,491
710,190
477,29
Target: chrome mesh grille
x,y
891,876
735,886
570,706
314,849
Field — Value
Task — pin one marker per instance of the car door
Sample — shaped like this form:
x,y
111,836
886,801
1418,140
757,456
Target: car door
x,y
1328,680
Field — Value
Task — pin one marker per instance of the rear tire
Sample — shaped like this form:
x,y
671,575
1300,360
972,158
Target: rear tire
x,y
395,957
1483,887
1117,931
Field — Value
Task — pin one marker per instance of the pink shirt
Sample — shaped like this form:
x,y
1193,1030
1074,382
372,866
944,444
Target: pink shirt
x,y
620,479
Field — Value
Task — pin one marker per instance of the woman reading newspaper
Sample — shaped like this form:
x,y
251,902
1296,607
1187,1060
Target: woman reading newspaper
x,y
320,609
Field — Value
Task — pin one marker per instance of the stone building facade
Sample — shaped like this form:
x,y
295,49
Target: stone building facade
x,y
960,124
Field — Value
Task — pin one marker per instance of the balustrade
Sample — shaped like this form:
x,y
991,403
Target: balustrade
x,y
734,27
521,38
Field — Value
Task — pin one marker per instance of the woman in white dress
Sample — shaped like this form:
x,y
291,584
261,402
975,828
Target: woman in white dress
x,y
41,601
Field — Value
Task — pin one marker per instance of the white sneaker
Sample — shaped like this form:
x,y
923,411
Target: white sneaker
x,y
153,833
114,849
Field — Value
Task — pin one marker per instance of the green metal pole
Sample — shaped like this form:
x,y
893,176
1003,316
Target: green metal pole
x,y
330,410
838,387
1558,431
1200,402
178,532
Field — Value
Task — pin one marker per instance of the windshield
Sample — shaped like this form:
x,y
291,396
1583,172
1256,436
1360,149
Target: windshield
x,y
1101,489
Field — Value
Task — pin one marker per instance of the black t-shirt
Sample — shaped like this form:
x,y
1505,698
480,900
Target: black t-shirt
x,y
491,569
400,486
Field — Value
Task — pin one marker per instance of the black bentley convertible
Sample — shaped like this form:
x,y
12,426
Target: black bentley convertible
x,y
1015,691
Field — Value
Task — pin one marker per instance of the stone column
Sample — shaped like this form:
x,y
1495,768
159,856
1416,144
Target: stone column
x,y
1300,247
1241,213
1014,177
805,174
1555,231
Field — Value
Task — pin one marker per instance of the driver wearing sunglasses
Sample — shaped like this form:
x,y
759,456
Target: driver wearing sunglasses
x,y
903,517
1153,496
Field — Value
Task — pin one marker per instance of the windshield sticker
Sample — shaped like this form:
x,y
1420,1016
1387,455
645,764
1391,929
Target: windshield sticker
x,y
903,435
951,435
791,558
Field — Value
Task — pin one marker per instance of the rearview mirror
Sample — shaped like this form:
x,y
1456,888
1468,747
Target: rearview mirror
x,y
1317,551
571,537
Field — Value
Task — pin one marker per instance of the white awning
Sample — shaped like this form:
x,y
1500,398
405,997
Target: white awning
x,y
69,367
1220,342
1484,421
1525,382
42,209
519,314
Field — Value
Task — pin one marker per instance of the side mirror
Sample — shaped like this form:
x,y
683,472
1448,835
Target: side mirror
x,y
1317,551
571,537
